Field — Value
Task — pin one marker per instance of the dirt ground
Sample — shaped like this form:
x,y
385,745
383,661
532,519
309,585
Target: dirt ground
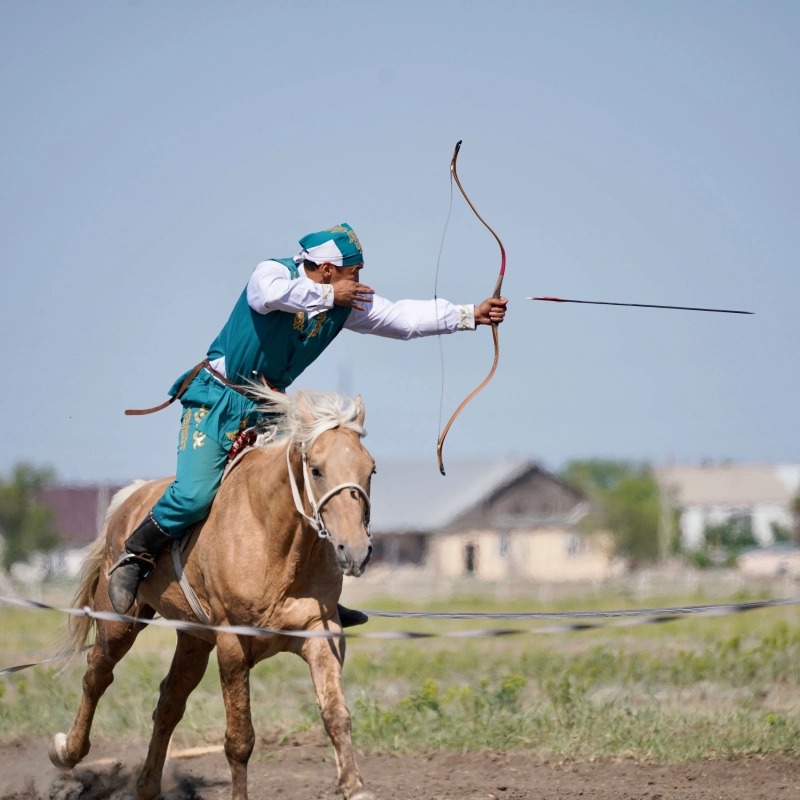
x,y
308,771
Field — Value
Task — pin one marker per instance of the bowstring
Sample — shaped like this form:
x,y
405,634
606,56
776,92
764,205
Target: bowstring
x,y
436,305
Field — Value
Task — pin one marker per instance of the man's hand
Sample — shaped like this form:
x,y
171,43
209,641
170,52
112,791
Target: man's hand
x,y
350,293
491,311
347,291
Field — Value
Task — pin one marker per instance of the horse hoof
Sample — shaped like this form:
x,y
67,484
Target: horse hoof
x,y
362,795
58,753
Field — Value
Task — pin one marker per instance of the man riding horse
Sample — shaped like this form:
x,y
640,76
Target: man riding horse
x,y
289,312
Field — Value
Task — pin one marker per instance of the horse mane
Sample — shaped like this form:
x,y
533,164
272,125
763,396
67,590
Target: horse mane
x,y
303,418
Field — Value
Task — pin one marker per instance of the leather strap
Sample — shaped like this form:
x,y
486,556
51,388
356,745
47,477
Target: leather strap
x,y
204,364
183,581
136,412
237,387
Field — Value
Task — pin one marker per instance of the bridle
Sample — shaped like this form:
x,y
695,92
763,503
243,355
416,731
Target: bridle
x,y
316,521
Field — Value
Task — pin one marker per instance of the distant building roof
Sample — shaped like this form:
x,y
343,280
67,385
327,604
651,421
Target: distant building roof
x,y
407,497
78,510
412,496
739,485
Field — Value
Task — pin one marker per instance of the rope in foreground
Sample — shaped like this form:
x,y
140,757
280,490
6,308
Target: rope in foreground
x,y
719,609
625,618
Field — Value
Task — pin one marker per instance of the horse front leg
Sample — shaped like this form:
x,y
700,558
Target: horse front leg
x,y
234,675
325,658
188,667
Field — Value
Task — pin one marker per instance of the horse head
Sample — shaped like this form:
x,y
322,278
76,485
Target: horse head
x,y
337,470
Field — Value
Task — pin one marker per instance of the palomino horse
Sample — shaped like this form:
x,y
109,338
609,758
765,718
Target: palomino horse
x,y
254,561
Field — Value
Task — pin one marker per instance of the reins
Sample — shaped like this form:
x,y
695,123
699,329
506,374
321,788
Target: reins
x,y
316,522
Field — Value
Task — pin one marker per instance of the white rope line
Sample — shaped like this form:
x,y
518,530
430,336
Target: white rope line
x,y
708,610
20,667
630,618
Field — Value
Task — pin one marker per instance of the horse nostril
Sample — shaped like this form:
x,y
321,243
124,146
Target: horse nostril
x,y
367,559
341,547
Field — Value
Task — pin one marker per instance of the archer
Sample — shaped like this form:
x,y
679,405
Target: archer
x,y
287,315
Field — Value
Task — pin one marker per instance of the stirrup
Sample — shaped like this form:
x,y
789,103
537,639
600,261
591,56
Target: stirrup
x,y
126,557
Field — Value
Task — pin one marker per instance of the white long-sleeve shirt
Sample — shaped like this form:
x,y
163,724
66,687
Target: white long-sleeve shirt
x,y
271,288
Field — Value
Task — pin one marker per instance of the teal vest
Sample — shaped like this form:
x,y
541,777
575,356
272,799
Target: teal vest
x,y
278,345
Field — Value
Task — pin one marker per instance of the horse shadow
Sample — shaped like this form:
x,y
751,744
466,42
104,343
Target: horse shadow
x,y
119,783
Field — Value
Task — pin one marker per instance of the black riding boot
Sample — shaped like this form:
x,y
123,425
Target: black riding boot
x,y
137,562
350,617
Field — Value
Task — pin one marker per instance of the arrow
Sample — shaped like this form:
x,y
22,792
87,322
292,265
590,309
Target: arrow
x,y
640,305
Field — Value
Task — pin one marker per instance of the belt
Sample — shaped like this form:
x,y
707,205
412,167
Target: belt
x,y
204,364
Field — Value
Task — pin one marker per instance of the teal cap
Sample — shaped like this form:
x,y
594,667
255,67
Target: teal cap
x,y
339,245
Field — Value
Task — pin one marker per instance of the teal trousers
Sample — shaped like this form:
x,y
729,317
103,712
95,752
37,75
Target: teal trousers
x,y
213,416
201,462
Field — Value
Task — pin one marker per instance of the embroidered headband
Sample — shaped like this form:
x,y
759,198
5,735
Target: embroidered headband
x,y
338,245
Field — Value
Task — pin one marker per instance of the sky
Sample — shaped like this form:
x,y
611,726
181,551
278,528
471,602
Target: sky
x,y
151,154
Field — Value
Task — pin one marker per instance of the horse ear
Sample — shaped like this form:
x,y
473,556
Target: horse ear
x,y
304,409
362,412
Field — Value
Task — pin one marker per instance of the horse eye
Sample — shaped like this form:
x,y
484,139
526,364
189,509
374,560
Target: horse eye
x,y
316,472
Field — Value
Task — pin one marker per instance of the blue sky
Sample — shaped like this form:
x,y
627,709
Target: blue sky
x,y
153,153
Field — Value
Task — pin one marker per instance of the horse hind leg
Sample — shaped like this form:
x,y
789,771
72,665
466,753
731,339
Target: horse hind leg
x,y
112,642
188,667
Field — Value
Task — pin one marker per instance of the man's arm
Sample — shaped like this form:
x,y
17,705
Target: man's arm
x,y
271,288
411,319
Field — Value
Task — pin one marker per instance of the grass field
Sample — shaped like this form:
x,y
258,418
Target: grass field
x,y
715,687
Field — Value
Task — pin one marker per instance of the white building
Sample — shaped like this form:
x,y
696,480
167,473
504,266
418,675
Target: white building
x,y
714,494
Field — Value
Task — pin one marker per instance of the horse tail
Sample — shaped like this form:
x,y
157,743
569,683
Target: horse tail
x,y
79,627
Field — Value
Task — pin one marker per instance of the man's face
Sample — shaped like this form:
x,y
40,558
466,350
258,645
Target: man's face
x,y
345,273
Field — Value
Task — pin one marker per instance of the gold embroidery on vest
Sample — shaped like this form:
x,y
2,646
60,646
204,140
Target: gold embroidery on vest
x,y
318,323
200,413
187,418
299,321
199,439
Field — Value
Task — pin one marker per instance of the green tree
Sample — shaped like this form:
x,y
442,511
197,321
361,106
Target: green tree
x,y
626,501
595,476
725,540
25,524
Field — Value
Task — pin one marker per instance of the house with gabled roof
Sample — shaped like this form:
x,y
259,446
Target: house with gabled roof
x,y
493,520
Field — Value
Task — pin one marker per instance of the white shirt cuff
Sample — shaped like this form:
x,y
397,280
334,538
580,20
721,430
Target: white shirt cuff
x,y
466,314
325,295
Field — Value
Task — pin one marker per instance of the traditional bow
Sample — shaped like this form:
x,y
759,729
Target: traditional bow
x,y
495,336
